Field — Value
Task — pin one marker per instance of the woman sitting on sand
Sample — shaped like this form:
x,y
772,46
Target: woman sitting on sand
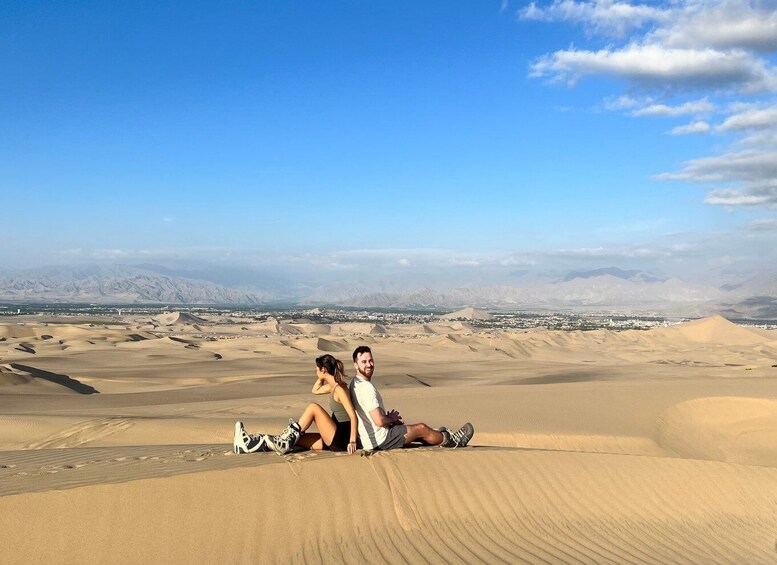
x,y
336,432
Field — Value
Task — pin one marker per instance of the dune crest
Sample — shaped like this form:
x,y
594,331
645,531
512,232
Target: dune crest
x,y
468,314
178,318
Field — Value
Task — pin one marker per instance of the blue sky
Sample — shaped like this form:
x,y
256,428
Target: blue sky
x,y
468,140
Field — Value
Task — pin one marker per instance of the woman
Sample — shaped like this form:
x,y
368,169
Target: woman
x,y
336,432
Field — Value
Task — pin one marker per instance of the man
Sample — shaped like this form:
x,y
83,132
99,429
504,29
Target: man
x,y
379,429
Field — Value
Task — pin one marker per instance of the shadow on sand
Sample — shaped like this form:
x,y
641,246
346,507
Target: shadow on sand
x,y
63,380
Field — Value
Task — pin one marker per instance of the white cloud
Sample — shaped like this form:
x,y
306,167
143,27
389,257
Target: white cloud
x,y
751,177
662,68
763,225
608,17
119,253
693,127
751,119
667,50
624,103
764,196
694,107
609,253
760,139
757,167
726,24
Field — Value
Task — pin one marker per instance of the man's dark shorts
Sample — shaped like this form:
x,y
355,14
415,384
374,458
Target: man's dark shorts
x,y
395,439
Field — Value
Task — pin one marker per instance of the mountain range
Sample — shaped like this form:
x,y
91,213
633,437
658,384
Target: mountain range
x,y
599,289
116,285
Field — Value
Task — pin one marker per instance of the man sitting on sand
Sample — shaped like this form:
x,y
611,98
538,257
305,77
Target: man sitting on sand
x,y
379,429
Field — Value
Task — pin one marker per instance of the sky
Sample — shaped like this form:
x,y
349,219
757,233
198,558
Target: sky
x,y
437,143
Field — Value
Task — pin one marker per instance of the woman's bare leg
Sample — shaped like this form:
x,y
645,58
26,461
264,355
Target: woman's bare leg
x,y
324,422
311,441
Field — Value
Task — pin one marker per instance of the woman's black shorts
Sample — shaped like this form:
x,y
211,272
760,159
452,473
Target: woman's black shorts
x,y
342,436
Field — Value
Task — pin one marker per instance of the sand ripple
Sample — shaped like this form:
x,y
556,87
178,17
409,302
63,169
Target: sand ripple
x,y
482,505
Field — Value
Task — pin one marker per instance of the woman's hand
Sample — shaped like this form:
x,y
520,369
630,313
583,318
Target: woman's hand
x,y
352,448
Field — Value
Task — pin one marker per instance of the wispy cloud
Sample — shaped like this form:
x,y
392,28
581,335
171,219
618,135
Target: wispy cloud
x,y
752,118
687,255
763,225
721,24
694,107
693,127
665,53
755,173
606,17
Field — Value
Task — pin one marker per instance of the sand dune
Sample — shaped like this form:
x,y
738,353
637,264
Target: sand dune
x,y
508,506
176,318
601,447
714,330
736,430
468,314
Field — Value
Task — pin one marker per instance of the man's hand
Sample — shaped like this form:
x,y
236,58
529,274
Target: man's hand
x,y
394,417
385,419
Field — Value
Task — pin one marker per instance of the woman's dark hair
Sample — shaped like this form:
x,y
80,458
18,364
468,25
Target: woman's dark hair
x,y
332,366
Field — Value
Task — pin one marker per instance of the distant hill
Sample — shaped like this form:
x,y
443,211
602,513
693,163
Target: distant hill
x,y
632,275
116,284
603,291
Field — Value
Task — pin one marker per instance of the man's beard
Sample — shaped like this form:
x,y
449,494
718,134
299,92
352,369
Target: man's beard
x,y
367,373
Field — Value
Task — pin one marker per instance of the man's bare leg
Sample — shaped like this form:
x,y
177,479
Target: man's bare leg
x,y
422,432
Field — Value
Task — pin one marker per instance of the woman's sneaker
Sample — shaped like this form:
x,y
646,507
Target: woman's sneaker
x,y
287,439
243,442
457,439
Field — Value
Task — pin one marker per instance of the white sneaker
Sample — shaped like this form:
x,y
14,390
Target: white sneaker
x,y
287,439
243,442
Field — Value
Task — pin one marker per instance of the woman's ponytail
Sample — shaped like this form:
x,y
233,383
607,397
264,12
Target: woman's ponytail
x,y
332,366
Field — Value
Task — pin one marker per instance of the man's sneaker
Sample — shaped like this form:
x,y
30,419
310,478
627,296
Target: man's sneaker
x,y
243,442
457,439
287,439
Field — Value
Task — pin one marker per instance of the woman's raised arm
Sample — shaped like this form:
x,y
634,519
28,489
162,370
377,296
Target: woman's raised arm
x,y
321,387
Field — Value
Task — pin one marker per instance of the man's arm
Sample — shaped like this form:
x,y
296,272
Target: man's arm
x,y
385,420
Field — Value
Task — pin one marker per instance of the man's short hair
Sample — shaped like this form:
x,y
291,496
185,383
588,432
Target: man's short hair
x,y
359,350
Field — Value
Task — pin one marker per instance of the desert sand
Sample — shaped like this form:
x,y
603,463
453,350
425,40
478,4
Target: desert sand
x,y
654,446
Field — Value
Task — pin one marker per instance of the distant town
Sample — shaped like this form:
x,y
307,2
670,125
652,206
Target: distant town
x,y
498,320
